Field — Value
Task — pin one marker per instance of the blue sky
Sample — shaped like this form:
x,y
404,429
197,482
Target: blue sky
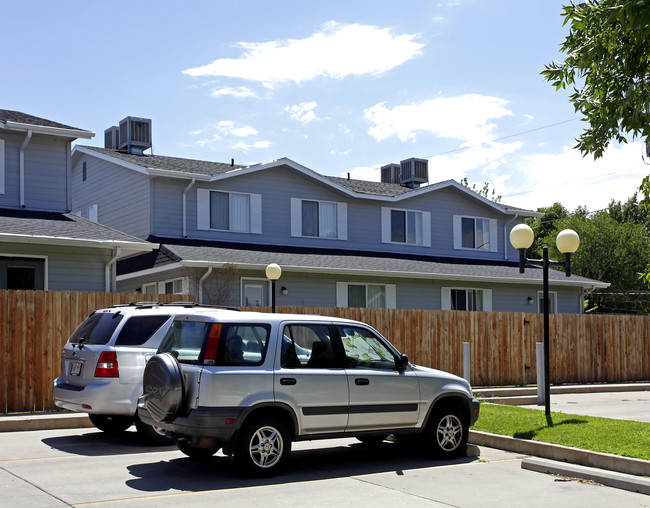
x,y
338,86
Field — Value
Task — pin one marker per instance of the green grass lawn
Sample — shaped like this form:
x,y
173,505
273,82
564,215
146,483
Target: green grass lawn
x,y
619,437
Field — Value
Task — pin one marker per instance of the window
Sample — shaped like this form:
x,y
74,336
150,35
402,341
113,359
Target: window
x,y
411,227
139,329
319,219
84,171
229,211
97,329
22,273
466,299
552,299
2,166
179,286
308,346
92,213
364,350
475,233
356,294
255,292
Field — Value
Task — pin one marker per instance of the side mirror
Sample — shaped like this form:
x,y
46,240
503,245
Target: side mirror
x,y
402,363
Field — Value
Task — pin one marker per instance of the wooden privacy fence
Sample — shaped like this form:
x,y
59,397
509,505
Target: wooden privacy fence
x,y
34,326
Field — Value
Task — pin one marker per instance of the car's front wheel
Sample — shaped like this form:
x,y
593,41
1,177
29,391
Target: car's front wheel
x,y
446,433
263,446
111,424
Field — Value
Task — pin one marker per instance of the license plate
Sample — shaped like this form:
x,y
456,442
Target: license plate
x,y
75,368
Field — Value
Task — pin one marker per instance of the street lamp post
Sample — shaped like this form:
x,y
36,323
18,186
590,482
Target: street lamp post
x,y
273,273
567,241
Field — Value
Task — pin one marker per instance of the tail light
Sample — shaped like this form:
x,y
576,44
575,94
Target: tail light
x,y
212,346
107,365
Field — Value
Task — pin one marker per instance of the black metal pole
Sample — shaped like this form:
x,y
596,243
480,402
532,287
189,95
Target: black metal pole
x,y
547,356
273,296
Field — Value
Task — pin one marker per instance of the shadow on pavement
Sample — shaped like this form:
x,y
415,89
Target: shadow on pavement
x,y
98,443
220,473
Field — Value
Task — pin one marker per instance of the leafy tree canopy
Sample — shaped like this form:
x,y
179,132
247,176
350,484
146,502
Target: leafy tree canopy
x,y
607,61
483,191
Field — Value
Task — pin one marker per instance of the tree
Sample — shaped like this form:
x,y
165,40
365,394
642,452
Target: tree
x,y
545,227
483,191
607,56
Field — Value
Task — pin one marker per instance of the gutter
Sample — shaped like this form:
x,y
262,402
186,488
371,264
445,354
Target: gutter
x,y
107,273
205,276
22,167
187,189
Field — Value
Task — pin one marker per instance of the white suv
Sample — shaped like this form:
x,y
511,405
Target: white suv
x,y
103,362
251,383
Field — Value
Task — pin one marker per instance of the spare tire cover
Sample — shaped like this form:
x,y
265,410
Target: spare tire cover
x,y
163,387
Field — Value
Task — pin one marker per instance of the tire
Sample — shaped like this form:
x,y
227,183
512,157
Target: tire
x,y
262,447
446,433
372,440
163,387
193,452
153,436
111,424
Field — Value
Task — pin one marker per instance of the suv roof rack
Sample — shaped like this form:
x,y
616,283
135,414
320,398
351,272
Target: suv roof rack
x,y
180,303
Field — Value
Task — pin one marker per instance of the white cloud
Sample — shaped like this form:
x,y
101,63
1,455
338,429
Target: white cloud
x,y
303,112
568,178
247,146
466,117
336,51
241,92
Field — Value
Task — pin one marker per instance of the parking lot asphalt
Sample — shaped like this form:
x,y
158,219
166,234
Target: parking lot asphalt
x,y
620,472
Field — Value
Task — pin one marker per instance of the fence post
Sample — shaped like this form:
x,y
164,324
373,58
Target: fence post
x,y
466,361
539,350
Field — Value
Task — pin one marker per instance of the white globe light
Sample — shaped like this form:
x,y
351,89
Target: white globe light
x,y
521,236
567,241
273,271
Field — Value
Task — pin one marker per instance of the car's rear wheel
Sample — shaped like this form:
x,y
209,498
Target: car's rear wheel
x,y
111,424
446,433
263,446
152,435
193,452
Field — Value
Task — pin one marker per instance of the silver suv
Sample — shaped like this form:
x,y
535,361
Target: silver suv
x,y
251,383
103,362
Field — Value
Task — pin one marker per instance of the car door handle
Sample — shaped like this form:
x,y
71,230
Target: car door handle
x,y
287,381
361,381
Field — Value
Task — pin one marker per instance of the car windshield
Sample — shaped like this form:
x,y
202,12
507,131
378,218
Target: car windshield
x,y
98,328
208,343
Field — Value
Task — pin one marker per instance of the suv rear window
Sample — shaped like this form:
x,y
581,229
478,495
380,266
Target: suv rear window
x,y
139,329
98,328
208,343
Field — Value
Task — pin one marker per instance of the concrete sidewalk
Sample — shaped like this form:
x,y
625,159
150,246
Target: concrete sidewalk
x,y
619,401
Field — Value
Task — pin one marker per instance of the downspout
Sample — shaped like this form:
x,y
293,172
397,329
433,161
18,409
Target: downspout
x,y
107,273
205,276
22,167
505,236
187,189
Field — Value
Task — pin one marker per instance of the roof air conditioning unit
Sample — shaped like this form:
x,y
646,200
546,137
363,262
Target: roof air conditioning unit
x,y
112,137
135,134
390,173
414,172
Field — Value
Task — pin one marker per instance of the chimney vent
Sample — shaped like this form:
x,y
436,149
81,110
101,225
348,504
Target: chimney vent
x,y
413,172
112,137
135,135
390,173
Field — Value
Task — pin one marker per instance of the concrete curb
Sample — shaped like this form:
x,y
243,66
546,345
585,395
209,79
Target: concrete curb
x,y
523,391
44,421
611,479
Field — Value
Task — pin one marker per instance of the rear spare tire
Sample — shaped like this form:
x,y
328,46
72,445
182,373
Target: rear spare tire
x,y
163,387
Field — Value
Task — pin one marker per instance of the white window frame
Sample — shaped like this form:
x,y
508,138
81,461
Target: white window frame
x,y
458,233
390,292
203,211
2,166
160,286
46,267
143,288
386,229
446,297
341,219
93,213
242,283
552,297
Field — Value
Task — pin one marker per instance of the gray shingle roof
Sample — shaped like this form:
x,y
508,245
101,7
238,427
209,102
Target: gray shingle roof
x,y
387,265
168,163
17,116
58,225
373,188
